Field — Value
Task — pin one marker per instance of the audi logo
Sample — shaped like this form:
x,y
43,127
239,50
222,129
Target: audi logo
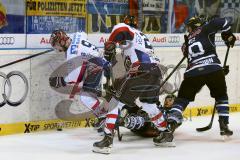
x,y
7,89
173,39
7,40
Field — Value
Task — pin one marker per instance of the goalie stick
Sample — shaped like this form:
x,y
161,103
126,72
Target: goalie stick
x,y
209,126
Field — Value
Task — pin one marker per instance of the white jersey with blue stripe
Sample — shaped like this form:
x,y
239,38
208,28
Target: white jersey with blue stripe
x,y
79,46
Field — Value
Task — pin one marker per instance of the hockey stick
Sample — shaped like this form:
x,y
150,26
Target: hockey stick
x,y
176,67
226,57
112,85
26,58
179,63
209,126
118,129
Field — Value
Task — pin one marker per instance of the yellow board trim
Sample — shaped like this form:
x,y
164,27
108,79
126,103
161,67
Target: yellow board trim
x,y
35,126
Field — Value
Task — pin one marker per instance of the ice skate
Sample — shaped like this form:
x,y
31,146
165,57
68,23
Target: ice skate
x,y
104,146
225,132
165,139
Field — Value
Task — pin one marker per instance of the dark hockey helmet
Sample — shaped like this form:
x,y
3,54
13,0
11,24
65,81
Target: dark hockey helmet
x,y
168,101
194,22
131,21
58,39
170,96
204,19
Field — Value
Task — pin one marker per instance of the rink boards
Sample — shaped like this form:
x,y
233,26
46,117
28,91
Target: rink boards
x,y
37,111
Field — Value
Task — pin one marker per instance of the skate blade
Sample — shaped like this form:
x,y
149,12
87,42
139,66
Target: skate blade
x,y
104,150
225,137
166,144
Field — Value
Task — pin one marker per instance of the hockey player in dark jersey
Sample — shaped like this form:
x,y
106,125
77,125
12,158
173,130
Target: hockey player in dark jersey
x,y
204,68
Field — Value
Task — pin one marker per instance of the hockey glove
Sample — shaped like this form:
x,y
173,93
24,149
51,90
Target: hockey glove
x,y
57,82
109,50
228,38
184,50
185,46
226,70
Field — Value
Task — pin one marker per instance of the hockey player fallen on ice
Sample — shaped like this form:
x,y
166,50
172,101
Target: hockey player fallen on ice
x,y
139,122
142,78
204,68
90,73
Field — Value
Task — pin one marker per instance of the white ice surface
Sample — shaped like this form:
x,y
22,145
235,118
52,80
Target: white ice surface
x,y
76,144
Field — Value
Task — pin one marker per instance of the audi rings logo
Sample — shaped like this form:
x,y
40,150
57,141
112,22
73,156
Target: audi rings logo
x,y
7,89
7,40
173,39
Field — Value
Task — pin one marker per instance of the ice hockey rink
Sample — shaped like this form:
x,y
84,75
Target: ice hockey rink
x,y
76,144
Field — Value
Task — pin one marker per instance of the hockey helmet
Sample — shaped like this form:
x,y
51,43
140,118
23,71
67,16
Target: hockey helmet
x,y
59,39
131,21
194,22
168,101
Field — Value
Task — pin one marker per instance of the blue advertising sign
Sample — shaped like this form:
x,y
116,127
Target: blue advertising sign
x,y
46,24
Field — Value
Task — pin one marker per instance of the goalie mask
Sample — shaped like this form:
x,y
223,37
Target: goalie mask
x,y
58,40
131,21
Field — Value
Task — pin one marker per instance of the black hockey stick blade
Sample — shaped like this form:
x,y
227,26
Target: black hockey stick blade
x,y
209,126
204,128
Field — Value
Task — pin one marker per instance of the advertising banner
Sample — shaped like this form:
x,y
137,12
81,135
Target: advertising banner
x,y
12,41
38,41
159,40
47,24
71,8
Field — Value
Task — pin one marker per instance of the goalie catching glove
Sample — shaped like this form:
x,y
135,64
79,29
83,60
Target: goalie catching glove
x,y
228,38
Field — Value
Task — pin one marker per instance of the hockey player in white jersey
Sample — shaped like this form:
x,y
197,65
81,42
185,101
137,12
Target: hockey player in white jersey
x,y
142,79
90,73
